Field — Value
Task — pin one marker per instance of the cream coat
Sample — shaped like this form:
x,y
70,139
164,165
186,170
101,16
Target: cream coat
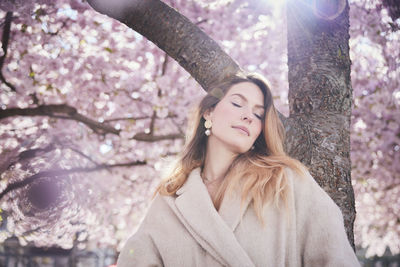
x,y
186,230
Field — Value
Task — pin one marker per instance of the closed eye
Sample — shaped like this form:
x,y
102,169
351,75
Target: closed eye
x,y
258,116
236,105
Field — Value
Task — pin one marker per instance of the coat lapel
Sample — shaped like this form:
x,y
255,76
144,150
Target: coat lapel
x,y
212,230
231,210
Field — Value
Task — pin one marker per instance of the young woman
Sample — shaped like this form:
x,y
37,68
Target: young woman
x,y
235,198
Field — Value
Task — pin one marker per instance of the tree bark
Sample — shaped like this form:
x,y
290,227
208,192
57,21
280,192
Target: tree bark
x,y
320,96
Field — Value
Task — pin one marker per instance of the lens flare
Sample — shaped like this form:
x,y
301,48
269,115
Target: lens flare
x,y
328,9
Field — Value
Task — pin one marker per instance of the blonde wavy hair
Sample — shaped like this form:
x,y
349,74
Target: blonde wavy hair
x,y
258,173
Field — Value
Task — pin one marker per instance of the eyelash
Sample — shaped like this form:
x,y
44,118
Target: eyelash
x,y
236,105
239,106
258,117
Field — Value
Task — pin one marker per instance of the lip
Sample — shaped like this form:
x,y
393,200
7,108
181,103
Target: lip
x,y
244,129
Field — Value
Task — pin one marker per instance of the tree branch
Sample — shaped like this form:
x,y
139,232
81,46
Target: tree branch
x,y
36,152
178,37
66,111
83,155
30,153
138,118
390,187
128,118
5,38
70,113
164,65
7,161
152,122
60,172
153,138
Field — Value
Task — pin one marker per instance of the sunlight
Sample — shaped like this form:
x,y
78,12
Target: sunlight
x,y
327,10
277,4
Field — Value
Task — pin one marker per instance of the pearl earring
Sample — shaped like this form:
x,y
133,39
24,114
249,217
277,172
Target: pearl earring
x,y
208,125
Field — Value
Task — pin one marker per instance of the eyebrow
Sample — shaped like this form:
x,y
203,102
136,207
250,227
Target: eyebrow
x,y
245,99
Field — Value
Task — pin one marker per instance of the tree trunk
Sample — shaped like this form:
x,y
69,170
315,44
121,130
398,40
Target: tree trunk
x,y
320,95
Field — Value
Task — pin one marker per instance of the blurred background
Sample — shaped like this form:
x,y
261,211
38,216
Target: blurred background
x,y
91,113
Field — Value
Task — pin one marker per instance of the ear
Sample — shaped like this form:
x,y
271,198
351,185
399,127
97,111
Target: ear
x,y
208,114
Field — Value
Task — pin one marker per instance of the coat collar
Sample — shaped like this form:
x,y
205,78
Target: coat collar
x,y
213,230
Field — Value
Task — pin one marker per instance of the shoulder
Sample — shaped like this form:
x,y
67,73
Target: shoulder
x,y
308,194
157,217
304,184
142,248
159,210
319,224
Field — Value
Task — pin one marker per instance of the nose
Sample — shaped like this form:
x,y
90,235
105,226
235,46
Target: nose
x,y
246,117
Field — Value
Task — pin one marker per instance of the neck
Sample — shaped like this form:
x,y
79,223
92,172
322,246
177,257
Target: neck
x,y
217,161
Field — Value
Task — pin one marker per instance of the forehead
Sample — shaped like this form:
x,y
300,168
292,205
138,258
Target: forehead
x,y
248,90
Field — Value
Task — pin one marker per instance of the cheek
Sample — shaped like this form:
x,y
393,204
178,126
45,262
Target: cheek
x,y
227,111
257,127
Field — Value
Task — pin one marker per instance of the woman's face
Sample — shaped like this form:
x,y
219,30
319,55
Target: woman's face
x,y
237,118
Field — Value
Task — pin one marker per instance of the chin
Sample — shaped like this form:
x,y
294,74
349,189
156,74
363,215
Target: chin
x,y
242,150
